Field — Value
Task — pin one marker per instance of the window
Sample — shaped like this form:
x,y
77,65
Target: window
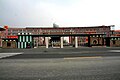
x,y
8,44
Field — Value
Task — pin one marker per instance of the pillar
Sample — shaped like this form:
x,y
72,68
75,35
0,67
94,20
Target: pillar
x,y
103,42
98,39
69,39
89,44
76,42
37,41
46,41
1,43
52,44
61,41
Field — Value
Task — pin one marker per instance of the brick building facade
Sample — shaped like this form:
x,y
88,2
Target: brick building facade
x,y
115,38
1,35
60,30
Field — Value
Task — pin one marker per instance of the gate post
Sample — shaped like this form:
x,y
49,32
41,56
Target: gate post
x,y
61,42
46,41
76,42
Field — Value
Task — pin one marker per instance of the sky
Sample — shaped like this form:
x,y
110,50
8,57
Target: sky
x,y
65,13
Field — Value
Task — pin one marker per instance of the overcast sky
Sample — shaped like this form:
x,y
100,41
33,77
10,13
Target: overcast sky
x,y
72,13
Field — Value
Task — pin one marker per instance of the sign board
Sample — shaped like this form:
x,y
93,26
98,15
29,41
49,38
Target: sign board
x,y
11,37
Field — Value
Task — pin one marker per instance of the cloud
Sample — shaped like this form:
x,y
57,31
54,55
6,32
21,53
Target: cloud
x,y
23,13
64,13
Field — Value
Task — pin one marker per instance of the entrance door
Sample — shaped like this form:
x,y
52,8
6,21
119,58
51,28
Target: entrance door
x,y
107,41
55,41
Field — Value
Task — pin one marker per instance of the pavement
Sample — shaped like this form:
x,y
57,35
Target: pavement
x,y
5,55
39,53
61,64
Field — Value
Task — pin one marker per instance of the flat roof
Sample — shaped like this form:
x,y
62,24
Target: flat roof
x,y
67,27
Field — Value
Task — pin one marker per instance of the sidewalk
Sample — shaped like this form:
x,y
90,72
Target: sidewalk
x,y
4,55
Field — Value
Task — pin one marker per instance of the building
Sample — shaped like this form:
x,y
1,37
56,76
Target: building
x,y
9,43
1,35
115,38
82,40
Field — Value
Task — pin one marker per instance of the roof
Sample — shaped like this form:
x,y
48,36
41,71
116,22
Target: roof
x,y
71,27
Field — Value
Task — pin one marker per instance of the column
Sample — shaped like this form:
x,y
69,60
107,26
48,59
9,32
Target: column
x,y
52,44
98,39
61,42
1,43
46,41
18,44
69,39
103,44
76,42
89,44
37,41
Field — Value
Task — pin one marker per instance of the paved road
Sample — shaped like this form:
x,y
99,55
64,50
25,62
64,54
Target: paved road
x,y
86,65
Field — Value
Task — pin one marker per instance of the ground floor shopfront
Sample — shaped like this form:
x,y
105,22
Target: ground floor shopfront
x,y
87,40
57,40
9,43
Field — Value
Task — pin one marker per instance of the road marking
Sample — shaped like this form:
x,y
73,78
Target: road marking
x,y
4,55
114,50
55,47
83,57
